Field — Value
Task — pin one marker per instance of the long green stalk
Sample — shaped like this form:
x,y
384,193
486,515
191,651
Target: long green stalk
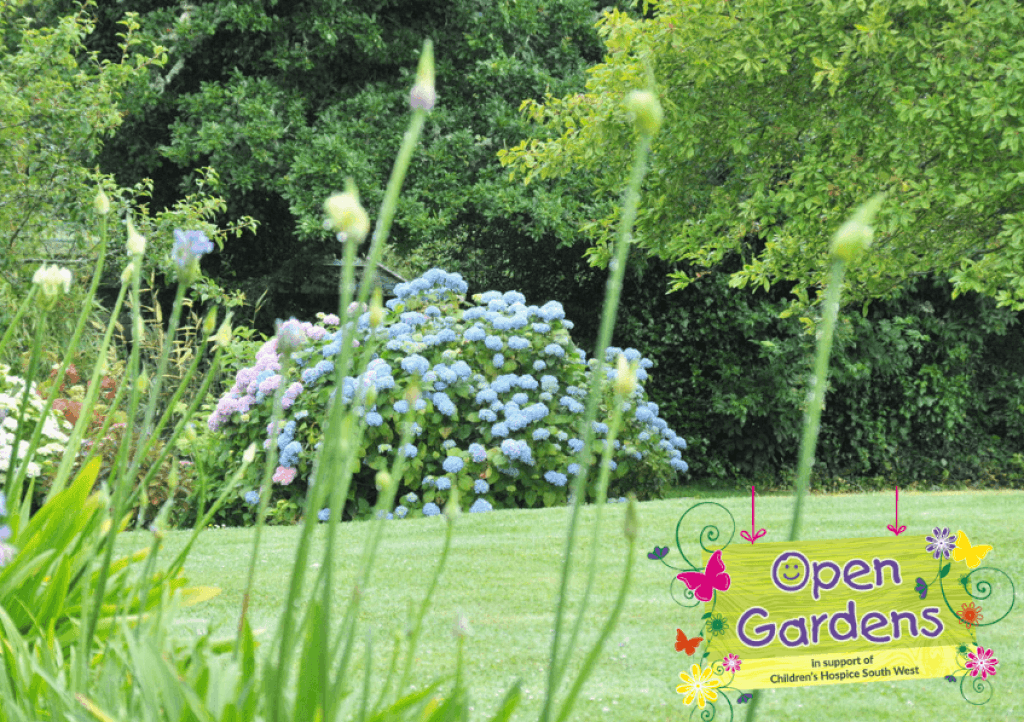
x,y
849,242
64,470
339,445
613,291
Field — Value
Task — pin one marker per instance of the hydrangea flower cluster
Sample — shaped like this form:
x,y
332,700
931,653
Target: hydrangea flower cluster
x,y
501,387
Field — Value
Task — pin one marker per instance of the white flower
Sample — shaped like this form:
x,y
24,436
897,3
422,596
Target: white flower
x,y
53,280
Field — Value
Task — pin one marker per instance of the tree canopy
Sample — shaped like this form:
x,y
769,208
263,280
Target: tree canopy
x,y
285,100
58,103
782,116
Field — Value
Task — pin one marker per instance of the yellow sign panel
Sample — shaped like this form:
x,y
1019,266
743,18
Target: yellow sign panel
x,y
829,612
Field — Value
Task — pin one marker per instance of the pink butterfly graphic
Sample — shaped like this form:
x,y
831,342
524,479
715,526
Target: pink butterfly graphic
x,y
705,583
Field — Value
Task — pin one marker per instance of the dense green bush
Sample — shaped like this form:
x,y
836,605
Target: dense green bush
x,y
493,391
922,388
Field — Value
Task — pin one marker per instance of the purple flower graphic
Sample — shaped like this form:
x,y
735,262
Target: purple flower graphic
x,y
658,553
940,543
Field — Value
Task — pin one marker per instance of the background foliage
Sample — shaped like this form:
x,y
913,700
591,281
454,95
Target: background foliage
x,y
782,116
923,388
284,100
779,119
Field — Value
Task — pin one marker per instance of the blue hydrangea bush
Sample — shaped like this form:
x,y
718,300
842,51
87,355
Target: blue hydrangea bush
x,y
501,388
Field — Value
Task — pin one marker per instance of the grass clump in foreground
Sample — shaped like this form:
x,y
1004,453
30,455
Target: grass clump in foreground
x,y
503,571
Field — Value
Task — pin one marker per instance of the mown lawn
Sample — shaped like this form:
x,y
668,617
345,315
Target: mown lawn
x,y
503,575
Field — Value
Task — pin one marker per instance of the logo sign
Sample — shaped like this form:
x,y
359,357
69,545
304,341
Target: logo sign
x,y
827,612
796,613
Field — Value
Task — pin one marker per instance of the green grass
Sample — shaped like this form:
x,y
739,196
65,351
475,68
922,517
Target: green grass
x,y
503,575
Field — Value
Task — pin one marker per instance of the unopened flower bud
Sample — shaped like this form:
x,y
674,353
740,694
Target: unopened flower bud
x,y
223,337
646,110
249,455
625,377
102,203
376,309
423,96
290,336
854,237
143,383
346,215
128,272
210,323
384,482
461,627
136,243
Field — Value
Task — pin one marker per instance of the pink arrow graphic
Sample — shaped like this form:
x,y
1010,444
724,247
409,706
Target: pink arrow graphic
x,y
753,536
897,529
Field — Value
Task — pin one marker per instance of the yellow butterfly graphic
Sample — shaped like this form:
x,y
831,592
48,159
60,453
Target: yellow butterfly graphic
x,y
964,552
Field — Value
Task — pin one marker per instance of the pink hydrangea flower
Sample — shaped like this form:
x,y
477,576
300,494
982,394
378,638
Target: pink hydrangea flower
x,y
332,319
284,475
269,386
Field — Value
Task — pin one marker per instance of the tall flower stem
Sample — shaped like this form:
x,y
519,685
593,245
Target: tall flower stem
x,y
339,446
812,415
850,242
613,291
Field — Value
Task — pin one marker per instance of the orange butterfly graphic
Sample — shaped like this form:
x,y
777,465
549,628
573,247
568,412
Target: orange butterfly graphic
x,y
690,645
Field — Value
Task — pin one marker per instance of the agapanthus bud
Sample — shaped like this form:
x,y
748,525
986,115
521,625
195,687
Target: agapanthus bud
x,y
189,247
53,280
384,482
128,272
249,455
461,627
142,382
646,110
102,203
346,215
625,377
423,96
210,323
136,243
223,337
290,336
376,309
854,237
